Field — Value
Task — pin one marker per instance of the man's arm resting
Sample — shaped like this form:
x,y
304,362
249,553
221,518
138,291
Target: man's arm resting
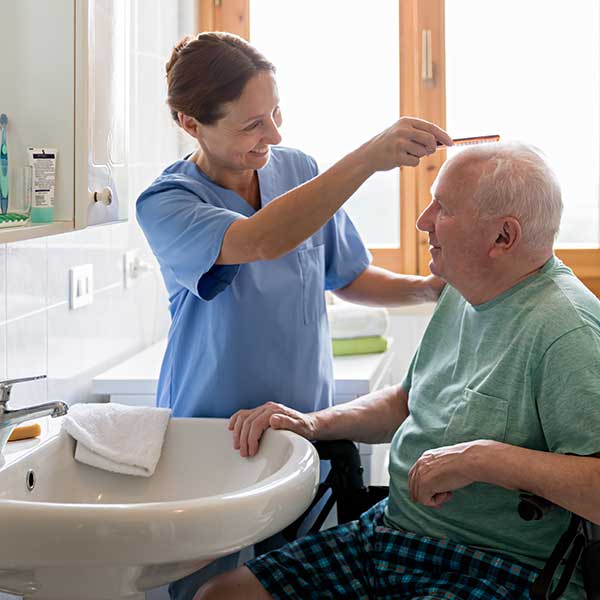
x,y
570,481
567,480
373,418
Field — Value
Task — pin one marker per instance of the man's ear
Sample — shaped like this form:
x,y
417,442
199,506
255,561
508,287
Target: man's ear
x,y
189,124
509,235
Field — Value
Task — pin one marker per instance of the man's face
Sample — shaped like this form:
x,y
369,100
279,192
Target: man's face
x,y
459,240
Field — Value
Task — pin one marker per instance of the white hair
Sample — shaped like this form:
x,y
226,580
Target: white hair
x,y
519,182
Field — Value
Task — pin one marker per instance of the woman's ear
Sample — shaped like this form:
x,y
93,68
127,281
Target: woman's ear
x,y
188,124
508,236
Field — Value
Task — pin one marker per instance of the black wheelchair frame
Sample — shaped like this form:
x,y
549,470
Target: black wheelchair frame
x,y
344,487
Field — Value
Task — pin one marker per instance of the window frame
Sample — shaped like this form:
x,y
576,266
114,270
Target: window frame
x,y
424,98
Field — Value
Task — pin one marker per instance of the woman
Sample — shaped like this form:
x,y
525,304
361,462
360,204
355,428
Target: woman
x,y
248,236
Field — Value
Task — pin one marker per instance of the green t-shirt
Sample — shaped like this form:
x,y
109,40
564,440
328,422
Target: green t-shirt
x,y
524,369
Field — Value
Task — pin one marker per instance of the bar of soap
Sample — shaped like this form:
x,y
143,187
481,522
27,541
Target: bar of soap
x,y
25,432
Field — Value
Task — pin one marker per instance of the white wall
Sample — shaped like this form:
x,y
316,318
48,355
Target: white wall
x,y
38,332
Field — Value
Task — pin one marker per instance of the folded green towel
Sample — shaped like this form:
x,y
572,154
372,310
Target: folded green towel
x,y
361,345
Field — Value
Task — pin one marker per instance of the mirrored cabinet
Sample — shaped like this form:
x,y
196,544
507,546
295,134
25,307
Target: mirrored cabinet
x,y
64,88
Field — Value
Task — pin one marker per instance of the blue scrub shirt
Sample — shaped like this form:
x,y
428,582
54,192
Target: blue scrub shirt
x,y
243,335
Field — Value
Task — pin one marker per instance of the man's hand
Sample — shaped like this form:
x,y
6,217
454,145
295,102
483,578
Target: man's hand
x,y
248,426
440,471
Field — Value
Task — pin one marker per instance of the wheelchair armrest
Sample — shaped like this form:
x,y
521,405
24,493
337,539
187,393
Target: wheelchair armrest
x,y
533,508
344,486
577,541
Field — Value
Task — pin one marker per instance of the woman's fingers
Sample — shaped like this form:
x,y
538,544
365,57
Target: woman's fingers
x,y
407,160
405,143
422,125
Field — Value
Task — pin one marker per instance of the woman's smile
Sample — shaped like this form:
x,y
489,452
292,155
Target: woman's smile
x,y
256,152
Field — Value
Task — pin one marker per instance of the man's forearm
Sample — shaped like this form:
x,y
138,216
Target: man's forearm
x,y
372,419
572,482
379,287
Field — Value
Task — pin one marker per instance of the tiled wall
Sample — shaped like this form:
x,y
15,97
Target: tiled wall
x,y
39,334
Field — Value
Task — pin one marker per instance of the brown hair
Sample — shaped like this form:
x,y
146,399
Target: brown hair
x,y
208,70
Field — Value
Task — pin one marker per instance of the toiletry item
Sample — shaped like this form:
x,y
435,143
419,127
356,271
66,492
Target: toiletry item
x,y
3,166
12,220
20,201
25,432
43,164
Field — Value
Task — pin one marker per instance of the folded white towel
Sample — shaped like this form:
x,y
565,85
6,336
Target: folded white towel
x,y
348,320
118,438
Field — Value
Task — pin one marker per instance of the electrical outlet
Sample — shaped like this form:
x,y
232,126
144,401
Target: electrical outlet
x,y
81,286
130,261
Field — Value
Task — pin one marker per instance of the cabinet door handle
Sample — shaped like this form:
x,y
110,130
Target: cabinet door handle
x,y
426,55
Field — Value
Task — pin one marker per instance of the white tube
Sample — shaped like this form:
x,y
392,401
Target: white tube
x,y
43,172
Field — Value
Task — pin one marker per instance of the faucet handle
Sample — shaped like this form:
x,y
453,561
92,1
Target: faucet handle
x,y
6,386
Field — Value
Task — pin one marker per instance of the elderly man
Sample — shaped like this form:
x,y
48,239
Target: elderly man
x,y
502,395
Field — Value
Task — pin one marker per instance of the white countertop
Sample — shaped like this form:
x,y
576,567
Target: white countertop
x,y
139,374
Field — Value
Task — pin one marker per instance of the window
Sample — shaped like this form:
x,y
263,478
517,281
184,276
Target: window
x,y
535,78
336,92
521,83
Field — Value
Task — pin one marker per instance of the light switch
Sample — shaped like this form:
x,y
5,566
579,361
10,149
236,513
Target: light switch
x,y
81,286
130,264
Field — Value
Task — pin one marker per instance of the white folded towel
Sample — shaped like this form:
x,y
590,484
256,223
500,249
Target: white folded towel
x,y
348,320
118,438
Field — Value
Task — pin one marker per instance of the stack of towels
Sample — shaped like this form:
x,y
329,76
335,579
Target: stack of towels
x,y
357,329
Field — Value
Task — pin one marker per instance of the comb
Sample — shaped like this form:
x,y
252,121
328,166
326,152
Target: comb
x,y
469,141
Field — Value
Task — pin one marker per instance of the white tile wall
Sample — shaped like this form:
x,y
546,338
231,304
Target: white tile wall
x,y
2,312
38,332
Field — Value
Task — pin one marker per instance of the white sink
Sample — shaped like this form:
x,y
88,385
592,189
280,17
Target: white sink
x,y
82,533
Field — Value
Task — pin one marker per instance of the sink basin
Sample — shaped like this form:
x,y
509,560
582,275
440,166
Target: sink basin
x,y
82,533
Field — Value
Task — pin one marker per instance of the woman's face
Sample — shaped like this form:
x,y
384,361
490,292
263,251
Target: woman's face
x,y
241,140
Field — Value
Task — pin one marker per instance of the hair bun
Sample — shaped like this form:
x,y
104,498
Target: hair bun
x,y
179,46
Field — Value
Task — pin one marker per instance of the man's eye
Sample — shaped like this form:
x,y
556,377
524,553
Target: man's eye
x,y
252,126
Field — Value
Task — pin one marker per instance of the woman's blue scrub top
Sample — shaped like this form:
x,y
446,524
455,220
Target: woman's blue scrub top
x,y
242,335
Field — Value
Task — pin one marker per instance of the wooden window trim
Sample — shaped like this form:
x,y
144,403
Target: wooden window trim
x,y
224,15
419,98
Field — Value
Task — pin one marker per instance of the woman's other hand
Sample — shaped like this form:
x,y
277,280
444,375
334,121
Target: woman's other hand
x,y
434,286
248,426
405,143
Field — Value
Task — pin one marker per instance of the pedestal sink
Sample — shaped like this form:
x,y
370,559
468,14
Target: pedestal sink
x,y
73,532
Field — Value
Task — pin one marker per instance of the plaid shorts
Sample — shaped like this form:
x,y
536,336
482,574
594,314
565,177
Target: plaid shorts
x,y
365,560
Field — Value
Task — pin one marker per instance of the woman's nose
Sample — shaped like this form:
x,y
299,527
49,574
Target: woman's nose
x,y
273,137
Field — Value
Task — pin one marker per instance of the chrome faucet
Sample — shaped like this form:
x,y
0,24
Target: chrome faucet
x,y
9,419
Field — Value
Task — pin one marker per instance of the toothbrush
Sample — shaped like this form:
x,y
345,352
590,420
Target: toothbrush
x,y
3,166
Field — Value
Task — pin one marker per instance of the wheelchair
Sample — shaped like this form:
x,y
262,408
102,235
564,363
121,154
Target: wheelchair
x,y
344,487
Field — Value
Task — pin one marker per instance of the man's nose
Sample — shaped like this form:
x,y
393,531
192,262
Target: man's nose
x,y
425,220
